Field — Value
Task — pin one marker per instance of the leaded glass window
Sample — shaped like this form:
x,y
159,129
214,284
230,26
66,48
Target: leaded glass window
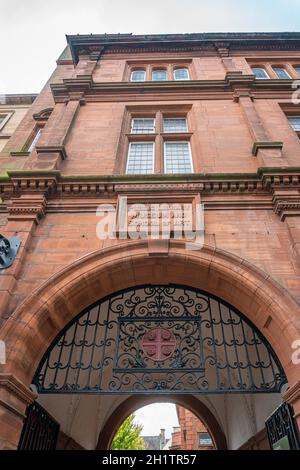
x,y
142,126
181,74
178,157
140,158
138,76
175,125
159,75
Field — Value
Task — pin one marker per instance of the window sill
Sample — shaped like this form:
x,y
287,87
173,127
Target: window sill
x,y
266,145
20,154
176,135
162,81
141,137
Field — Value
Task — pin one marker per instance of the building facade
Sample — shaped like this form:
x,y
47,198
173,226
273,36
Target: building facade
x,y
12,110
101,325
191,434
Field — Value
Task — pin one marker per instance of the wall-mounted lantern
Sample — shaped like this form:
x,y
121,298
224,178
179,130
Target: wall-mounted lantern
x,y
8,250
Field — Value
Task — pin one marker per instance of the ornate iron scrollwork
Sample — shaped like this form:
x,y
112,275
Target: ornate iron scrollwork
x,y
282,428
8,250
167,339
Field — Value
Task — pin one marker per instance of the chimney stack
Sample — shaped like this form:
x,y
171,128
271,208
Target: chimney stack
x,y
162,438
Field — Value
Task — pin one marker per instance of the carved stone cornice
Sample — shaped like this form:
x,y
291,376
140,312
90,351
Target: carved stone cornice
x,y
33,182
286,203
268,144
10,385
240,93
237,79
27,207
293,393
222,48
88,90
266,182
52,149
95,55
129,43
62,91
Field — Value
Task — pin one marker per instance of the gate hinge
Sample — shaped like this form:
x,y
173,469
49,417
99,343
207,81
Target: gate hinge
x,y
8,250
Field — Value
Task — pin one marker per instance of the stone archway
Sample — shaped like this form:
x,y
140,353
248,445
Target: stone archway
x,y
135,402
36,322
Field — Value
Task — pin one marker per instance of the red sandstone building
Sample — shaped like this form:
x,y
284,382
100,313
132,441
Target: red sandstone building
x,y
191,433
93,328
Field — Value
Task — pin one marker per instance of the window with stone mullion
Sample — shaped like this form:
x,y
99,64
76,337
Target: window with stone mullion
x,y
177,158
140,158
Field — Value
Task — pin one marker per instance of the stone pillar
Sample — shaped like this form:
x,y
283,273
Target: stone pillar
x,y
14,399
51,145
87,64
24,213
286,204
255,125
293,226
268,152
223,51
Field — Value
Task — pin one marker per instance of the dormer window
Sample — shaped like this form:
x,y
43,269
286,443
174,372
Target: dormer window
x,y
138,76
181,74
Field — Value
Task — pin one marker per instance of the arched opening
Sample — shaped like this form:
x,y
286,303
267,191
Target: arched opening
x,y
160,339
130,405
263,301
174,428
62,300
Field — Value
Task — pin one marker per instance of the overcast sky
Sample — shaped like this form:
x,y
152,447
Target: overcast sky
x,y
155,417
32,32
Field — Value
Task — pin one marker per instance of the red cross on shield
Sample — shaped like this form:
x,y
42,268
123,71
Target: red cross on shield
x,y
158,344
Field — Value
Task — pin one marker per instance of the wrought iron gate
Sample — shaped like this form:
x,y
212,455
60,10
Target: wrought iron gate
x,y
40,430
167,339
282,429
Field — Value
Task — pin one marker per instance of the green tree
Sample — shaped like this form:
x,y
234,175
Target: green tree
x,y
128,436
